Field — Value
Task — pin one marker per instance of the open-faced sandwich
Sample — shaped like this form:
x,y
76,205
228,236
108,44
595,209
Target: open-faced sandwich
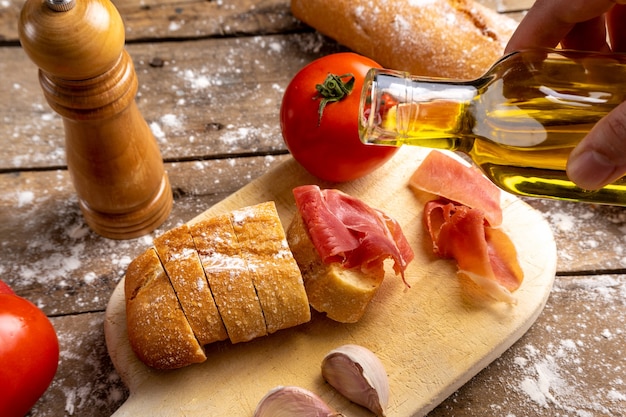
x,y
340,244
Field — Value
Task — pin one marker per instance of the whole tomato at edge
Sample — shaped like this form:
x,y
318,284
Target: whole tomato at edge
x,y
327,143
29,354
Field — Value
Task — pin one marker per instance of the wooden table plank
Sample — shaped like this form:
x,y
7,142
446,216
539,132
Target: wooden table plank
x,y
590,237
86,383
170,19
207,99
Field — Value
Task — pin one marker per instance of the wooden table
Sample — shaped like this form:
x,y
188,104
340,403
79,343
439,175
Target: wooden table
x,y
211,76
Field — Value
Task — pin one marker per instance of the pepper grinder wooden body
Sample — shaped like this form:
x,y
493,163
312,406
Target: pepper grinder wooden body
x,y
88,78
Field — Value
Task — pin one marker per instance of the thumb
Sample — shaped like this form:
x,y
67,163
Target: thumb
x,y
600,158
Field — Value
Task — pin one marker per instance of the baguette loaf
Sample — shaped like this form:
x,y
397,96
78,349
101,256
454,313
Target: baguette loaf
x,y
229,276
343,294
458,39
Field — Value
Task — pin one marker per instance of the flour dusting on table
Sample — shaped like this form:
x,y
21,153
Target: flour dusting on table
x,y
566,372
588,228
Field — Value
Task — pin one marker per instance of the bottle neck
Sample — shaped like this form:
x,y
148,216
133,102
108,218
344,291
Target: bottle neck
x,y
412,110
527,98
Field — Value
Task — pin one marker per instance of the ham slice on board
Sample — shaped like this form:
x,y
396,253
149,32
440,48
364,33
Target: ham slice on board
x,y
484,254
462,223
447,177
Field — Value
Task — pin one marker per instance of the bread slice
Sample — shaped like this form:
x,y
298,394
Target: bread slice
x,y
180,259
274,271
343,294
229,278
158,330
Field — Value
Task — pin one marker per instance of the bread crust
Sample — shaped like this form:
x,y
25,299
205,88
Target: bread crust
x,y
181,262
229,278
273,269
158,330
343,294
458,39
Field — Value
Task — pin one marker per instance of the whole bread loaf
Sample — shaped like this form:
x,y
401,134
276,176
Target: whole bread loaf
x,y
457,39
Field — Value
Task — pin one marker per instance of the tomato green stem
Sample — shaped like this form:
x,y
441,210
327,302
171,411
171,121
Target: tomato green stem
x,y
333,89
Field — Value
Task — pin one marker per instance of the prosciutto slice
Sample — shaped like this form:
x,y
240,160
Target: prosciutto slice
x,y
484,254
344,229
444,176
463,224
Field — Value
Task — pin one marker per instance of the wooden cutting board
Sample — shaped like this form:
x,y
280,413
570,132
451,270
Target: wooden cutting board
x,y
432,337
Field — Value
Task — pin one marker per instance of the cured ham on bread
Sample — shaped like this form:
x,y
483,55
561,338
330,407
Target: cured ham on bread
x,y
345,229
462,221
340,244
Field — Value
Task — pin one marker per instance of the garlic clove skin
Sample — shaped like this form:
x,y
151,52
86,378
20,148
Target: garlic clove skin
x,y
358,374
293,401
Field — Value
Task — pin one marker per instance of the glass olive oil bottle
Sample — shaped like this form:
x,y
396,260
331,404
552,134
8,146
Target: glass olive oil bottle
x,y
518,122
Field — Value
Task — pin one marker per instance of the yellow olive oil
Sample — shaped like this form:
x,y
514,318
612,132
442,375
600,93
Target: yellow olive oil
x,y
518,123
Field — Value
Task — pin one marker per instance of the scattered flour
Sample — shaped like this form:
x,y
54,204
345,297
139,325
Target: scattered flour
x,y
567,375
175,26
563,222
25,198
172,121
586,228
157,131
196,79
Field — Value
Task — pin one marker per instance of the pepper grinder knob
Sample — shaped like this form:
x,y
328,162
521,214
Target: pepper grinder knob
x,y
89,79
61,5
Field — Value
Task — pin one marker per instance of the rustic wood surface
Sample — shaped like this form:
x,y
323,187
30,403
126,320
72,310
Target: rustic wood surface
x,y
211,77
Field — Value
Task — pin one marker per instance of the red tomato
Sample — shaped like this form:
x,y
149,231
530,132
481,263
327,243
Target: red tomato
x,y
29,355
5,289
327,143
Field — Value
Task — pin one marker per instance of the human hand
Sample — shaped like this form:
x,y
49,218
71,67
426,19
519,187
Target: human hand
x,y
600,158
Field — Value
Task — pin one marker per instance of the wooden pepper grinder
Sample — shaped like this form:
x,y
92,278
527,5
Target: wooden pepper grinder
x,y
89,79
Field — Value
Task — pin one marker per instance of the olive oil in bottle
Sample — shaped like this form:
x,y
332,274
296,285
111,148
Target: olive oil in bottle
x,y
518,122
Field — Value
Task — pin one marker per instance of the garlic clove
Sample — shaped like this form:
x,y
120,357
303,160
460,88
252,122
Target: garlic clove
x,y
293,401
358,374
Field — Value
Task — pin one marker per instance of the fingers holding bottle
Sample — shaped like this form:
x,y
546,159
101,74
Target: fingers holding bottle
x,y
600,158
578,23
